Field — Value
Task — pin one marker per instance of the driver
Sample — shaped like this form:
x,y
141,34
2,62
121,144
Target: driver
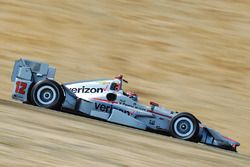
x,y
117,85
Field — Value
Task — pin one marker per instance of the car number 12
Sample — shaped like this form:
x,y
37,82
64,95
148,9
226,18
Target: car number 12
x,y
21,87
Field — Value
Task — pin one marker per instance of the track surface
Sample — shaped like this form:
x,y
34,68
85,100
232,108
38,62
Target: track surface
x,y
188,55
33,136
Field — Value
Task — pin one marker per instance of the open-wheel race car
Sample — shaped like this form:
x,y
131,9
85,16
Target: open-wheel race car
x,y
105,99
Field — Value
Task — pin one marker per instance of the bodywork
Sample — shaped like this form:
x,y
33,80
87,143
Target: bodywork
x,y
89,97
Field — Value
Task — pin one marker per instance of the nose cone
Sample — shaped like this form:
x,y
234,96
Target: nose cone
x,y
234,144
211,137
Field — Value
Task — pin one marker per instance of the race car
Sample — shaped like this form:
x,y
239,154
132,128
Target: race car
x,y
106,99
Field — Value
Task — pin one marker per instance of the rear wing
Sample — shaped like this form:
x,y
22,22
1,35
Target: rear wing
x,y
32,71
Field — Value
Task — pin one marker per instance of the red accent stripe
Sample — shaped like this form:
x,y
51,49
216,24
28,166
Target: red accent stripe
x,y
105,89
103,100
160,114
230,139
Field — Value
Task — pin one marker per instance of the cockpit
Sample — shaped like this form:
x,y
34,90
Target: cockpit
x,y
116,85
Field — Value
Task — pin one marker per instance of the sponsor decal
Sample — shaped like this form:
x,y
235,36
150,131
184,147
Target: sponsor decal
x,y
152,122
87,90
103,108
122,102
108,108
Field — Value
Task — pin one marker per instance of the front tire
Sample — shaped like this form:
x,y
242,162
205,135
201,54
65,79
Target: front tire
x,y
47,94
184,126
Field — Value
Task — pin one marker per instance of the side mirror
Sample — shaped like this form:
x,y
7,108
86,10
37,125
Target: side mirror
x,y
111,96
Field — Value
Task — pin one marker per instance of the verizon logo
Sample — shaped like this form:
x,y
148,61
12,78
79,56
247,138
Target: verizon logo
x,y
87,90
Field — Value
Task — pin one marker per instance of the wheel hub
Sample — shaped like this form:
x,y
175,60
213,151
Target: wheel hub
x,y
183,127
46,95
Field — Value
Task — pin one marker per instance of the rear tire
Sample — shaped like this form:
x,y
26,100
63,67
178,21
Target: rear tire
x,y
47,94
184,126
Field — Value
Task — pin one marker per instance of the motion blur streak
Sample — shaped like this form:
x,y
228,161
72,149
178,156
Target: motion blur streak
x,y
189,55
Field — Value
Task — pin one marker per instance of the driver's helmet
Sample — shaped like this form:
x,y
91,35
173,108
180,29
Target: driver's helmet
x,y
132,95
116,85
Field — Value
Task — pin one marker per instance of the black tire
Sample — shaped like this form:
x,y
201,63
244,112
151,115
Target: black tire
x,y
47,94
184,126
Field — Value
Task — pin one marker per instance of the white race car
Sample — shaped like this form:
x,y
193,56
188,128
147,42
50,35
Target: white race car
x,y
105,99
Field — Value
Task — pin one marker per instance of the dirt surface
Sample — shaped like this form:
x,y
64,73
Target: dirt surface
x,y
187,55
32,136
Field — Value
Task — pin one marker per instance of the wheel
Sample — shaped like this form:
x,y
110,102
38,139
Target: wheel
x,y
184,126
47,94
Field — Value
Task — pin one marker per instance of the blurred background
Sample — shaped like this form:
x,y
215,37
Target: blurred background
x,y
187,55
